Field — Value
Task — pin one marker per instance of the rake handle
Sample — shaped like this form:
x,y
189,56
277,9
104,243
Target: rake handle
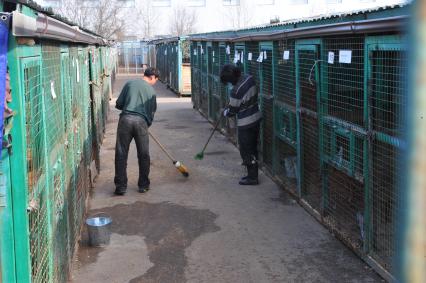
x,y
162,147
211,135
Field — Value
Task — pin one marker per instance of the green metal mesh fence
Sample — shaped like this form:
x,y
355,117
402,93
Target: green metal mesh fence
x,y
342,94
387,85
266,94
285,76
58,133
34,124
252,65
51,69
387,71
333,127
308,82
39,240
36,170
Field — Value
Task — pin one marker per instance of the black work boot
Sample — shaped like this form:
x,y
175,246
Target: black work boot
x,y
245,177
252,178
120,191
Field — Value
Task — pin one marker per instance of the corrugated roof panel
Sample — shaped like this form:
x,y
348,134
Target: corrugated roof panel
x,y
356,15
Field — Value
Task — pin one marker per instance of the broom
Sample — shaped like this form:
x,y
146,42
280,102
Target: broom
x,y
179,166
200,155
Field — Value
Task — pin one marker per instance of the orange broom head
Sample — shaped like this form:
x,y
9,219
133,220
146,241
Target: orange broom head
x,y
182,169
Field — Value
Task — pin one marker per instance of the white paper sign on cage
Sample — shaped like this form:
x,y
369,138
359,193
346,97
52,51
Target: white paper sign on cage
x,y
330,57
260,58
250,56
345,56
228,49
52,89
78,70
286,55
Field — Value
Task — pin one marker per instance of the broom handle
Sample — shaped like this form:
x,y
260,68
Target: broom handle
x,y
162,147
214,130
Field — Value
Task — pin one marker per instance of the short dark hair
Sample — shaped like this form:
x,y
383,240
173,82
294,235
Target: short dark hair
x,y
230,74
151,72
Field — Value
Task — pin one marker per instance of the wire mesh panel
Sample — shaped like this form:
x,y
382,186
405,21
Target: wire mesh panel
x,y
310,161
308,73
130,58
344,148
285,146
387,69
204,79
387,97
252,65
285,76
60,247
67,100
240,57
266,96
34,123
342,94
386,202
37,191
228,124
87,127
211,88
216,84
344,207
39,240
51,68
308,84
193,56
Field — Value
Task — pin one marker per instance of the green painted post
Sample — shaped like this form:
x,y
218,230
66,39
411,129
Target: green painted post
x,y
298,125
179,68
48,188
18,161
274,155
368,150
7,239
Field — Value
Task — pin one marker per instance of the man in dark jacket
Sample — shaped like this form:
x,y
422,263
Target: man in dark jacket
x,y
244,104
138,103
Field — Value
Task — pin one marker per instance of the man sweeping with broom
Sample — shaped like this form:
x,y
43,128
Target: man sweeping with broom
x,y
138,103
244,104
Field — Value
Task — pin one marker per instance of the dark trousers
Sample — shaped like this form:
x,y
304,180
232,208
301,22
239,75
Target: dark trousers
x,y
247,140
131,127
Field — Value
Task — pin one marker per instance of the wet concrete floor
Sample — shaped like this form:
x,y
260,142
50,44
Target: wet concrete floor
x,y
205,228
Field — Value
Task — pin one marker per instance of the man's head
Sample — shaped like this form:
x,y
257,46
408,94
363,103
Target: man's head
x,y
151,75
230,74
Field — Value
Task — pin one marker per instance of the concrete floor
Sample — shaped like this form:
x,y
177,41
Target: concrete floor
x,y
205,228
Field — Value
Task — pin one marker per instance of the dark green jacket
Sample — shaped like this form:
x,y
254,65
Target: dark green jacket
x,y
138,98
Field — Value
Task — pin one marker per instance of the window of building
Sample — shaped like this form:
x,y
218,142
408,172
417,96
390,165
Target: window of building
x,y
298,2
196,3
52,3
161,3
126,3
90,3
266,2
334,1
231,2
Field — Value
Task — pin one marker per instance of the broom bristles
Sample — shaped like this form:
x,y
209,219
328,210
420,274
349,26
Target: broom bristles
x,y
182,169
199,156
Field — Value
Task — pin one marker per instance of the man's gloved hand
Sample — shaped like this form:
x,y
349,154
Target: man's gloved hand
x,y
226,112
